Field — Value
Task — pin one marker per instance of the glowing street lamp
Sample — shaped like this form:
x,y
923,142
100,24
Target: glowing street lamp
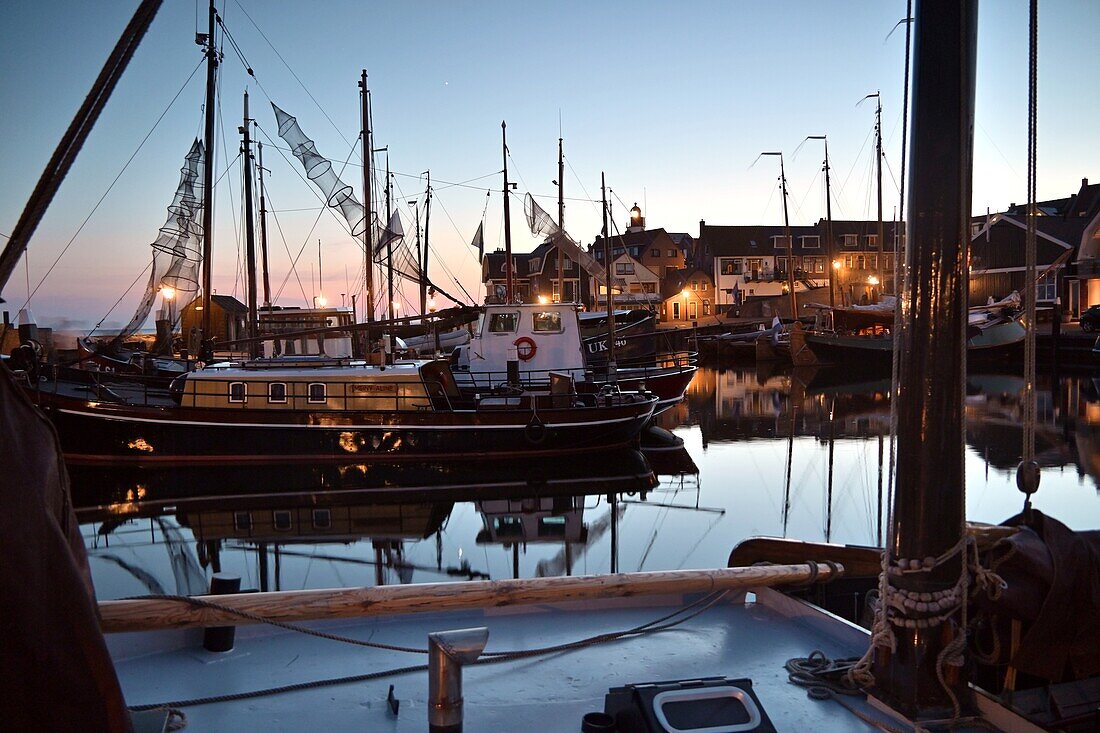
x,y
872,280
167,293
685,292
543,300
836,264
322,301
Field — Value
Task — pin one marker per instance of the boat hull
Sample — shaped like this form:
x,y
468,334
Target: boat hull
x,y
993,342
98,433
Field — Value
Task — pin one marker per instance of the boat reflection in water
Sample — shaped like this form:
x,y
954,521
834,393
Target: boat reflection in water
x,y
282,528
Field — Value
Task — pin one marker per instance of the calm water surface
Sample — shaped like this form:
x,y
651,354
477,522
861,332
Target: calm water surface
x,y
801,455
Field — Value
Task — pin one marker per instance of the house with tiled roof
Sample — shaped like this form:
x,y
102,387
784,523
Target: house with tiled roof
x,y
535,275
687,295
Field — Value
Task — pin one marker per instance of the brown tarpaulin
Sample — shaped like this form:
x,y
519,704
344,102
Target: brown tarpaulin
x,y
55,671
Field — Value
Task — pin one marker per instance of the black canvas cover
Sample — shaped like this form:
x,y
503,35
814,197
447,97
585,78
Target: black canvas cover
x,y
55,671
1052,585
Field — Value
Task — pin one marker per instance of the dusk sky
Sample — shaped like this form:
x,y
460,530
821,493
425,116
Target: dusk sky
x,y
673,100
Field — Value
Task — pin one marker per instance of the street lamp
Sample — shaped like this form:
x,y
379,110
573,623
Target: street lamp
x,y
872,280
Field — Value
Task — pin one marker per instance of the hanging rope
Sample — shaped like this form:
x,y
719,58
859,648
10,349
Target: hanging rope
x,y
1030,286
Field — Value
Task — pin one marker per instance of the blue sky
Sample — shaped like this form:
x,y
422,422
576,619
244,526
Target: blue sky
x,y
673,100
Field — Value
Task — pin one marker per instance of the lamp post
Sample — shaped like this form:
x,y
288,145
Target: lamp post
x,y
833,281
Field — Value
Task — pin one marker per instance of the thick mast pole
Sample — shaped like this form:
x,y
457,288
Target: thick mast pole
x,y
561,221
389,240
790,240
878,157
607,276
507,217
250,235
929,506
829,231
206,350
368,224
263,229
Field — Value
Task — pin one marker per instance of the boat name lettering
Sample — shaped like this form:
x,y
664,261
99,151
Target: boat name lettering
x,y
372,389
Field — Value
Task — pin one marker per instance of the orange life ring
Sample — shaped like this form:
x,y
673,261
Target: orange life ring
x,y
525,348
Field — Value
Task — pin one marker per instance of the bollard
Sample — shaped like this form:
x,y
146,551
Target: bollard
x,y
447,652
220,638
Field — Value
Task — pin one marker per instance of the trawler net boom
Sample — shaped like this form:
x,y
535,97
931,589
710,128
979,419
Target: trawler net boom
x,y
177,253
542,224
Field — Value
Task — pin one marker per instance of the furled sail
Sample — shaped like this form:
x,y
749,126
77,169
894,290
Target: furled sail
x,y
177,250
338,194
542,224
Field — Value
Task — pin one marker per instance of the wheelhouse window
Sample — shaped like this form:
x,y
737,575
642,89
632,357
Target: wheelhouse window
x,y
547,322
318,393
238,392
503,322
276,392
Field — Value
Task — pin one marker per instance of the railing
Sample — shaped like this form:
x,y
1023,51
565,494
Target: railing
x,y
674,362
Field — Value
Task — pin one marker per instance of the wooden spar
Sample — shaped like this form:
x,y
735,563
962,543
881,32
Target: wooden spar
x,y
858,562
389,238
206,350
250,235
427,229
607,252
829,229
880,234
509,295
790,241
312,605
561,222
929,505
263,227
368,204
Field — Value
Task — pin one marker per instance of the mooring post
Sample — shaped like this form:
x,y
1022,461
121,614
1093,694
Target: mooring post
x,y
220,638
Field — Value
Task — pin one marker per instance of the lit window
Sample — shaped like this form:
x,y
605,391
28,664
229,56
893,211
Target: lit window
x,y
318,393
672,253
276,392
238,392
624,268
503,322
694,284
872,240
547,322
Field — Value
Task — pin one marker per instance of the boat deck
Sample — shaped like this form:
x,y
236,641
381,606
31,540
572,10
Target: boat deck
x,y
734,638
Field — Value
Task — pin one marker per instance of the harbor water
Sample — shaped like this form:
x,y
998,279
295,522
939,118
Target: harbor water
x,y
797,454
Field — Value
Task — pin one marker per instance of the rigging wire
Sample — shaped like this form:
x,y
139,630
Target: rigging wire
x,y
121,171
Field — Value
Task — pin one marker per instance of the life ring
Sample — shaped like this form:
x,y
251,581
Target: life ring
x,y
526,348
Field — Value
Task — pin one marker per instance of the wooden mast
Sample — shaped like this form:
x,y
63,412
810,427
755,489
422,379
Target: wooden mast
x,y
263,228
607,276
878,173
206,349
389,240
829,228
250,236
561,221
790,240
507,218
368,221
420,259
929,505
424,261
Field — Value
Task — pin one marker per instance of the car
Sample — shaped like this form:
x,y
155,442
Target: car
x,y
1090,319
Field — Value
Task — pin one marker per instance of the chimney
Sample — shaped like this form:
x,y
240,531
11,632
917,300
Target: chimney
x,y
1084,182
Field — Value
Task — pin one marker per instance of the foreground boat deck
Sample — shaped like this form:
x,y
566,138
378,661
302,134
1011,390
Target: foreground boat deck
x,y
734,638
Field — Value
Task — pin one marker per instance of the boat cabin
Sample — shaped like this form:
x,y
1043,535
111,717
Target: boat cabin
x,y
541,338
274,322
319,385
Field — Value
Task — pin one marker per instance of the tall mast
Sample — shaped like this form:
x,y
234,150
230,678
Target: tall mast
x,y
878,173
206,352
249,235
929,506
389,239
561,220
320,278
263,229
368,222
424,264
420,257
507,217
831,244
607,276
790,241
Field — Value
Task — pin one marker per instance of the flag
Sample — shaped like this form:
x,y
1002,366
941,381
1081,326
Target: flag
x,y
392,233
479,241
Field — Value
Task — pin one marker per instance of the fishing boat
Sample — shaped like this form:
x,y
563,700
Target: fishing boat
x,y
310,409
540,340
862,334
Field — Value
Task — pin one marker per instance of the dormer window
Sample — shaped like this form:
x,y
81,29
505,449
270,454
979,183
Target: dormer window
x,y
318,393
780,242
811,242
849,240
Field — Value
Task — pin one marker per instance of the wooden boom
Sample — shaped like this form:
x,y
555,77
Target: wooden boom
x,y
303,605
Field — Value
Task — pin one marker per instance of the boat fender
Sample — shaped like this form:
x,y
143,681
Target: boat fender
x,y
526,348
535,432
